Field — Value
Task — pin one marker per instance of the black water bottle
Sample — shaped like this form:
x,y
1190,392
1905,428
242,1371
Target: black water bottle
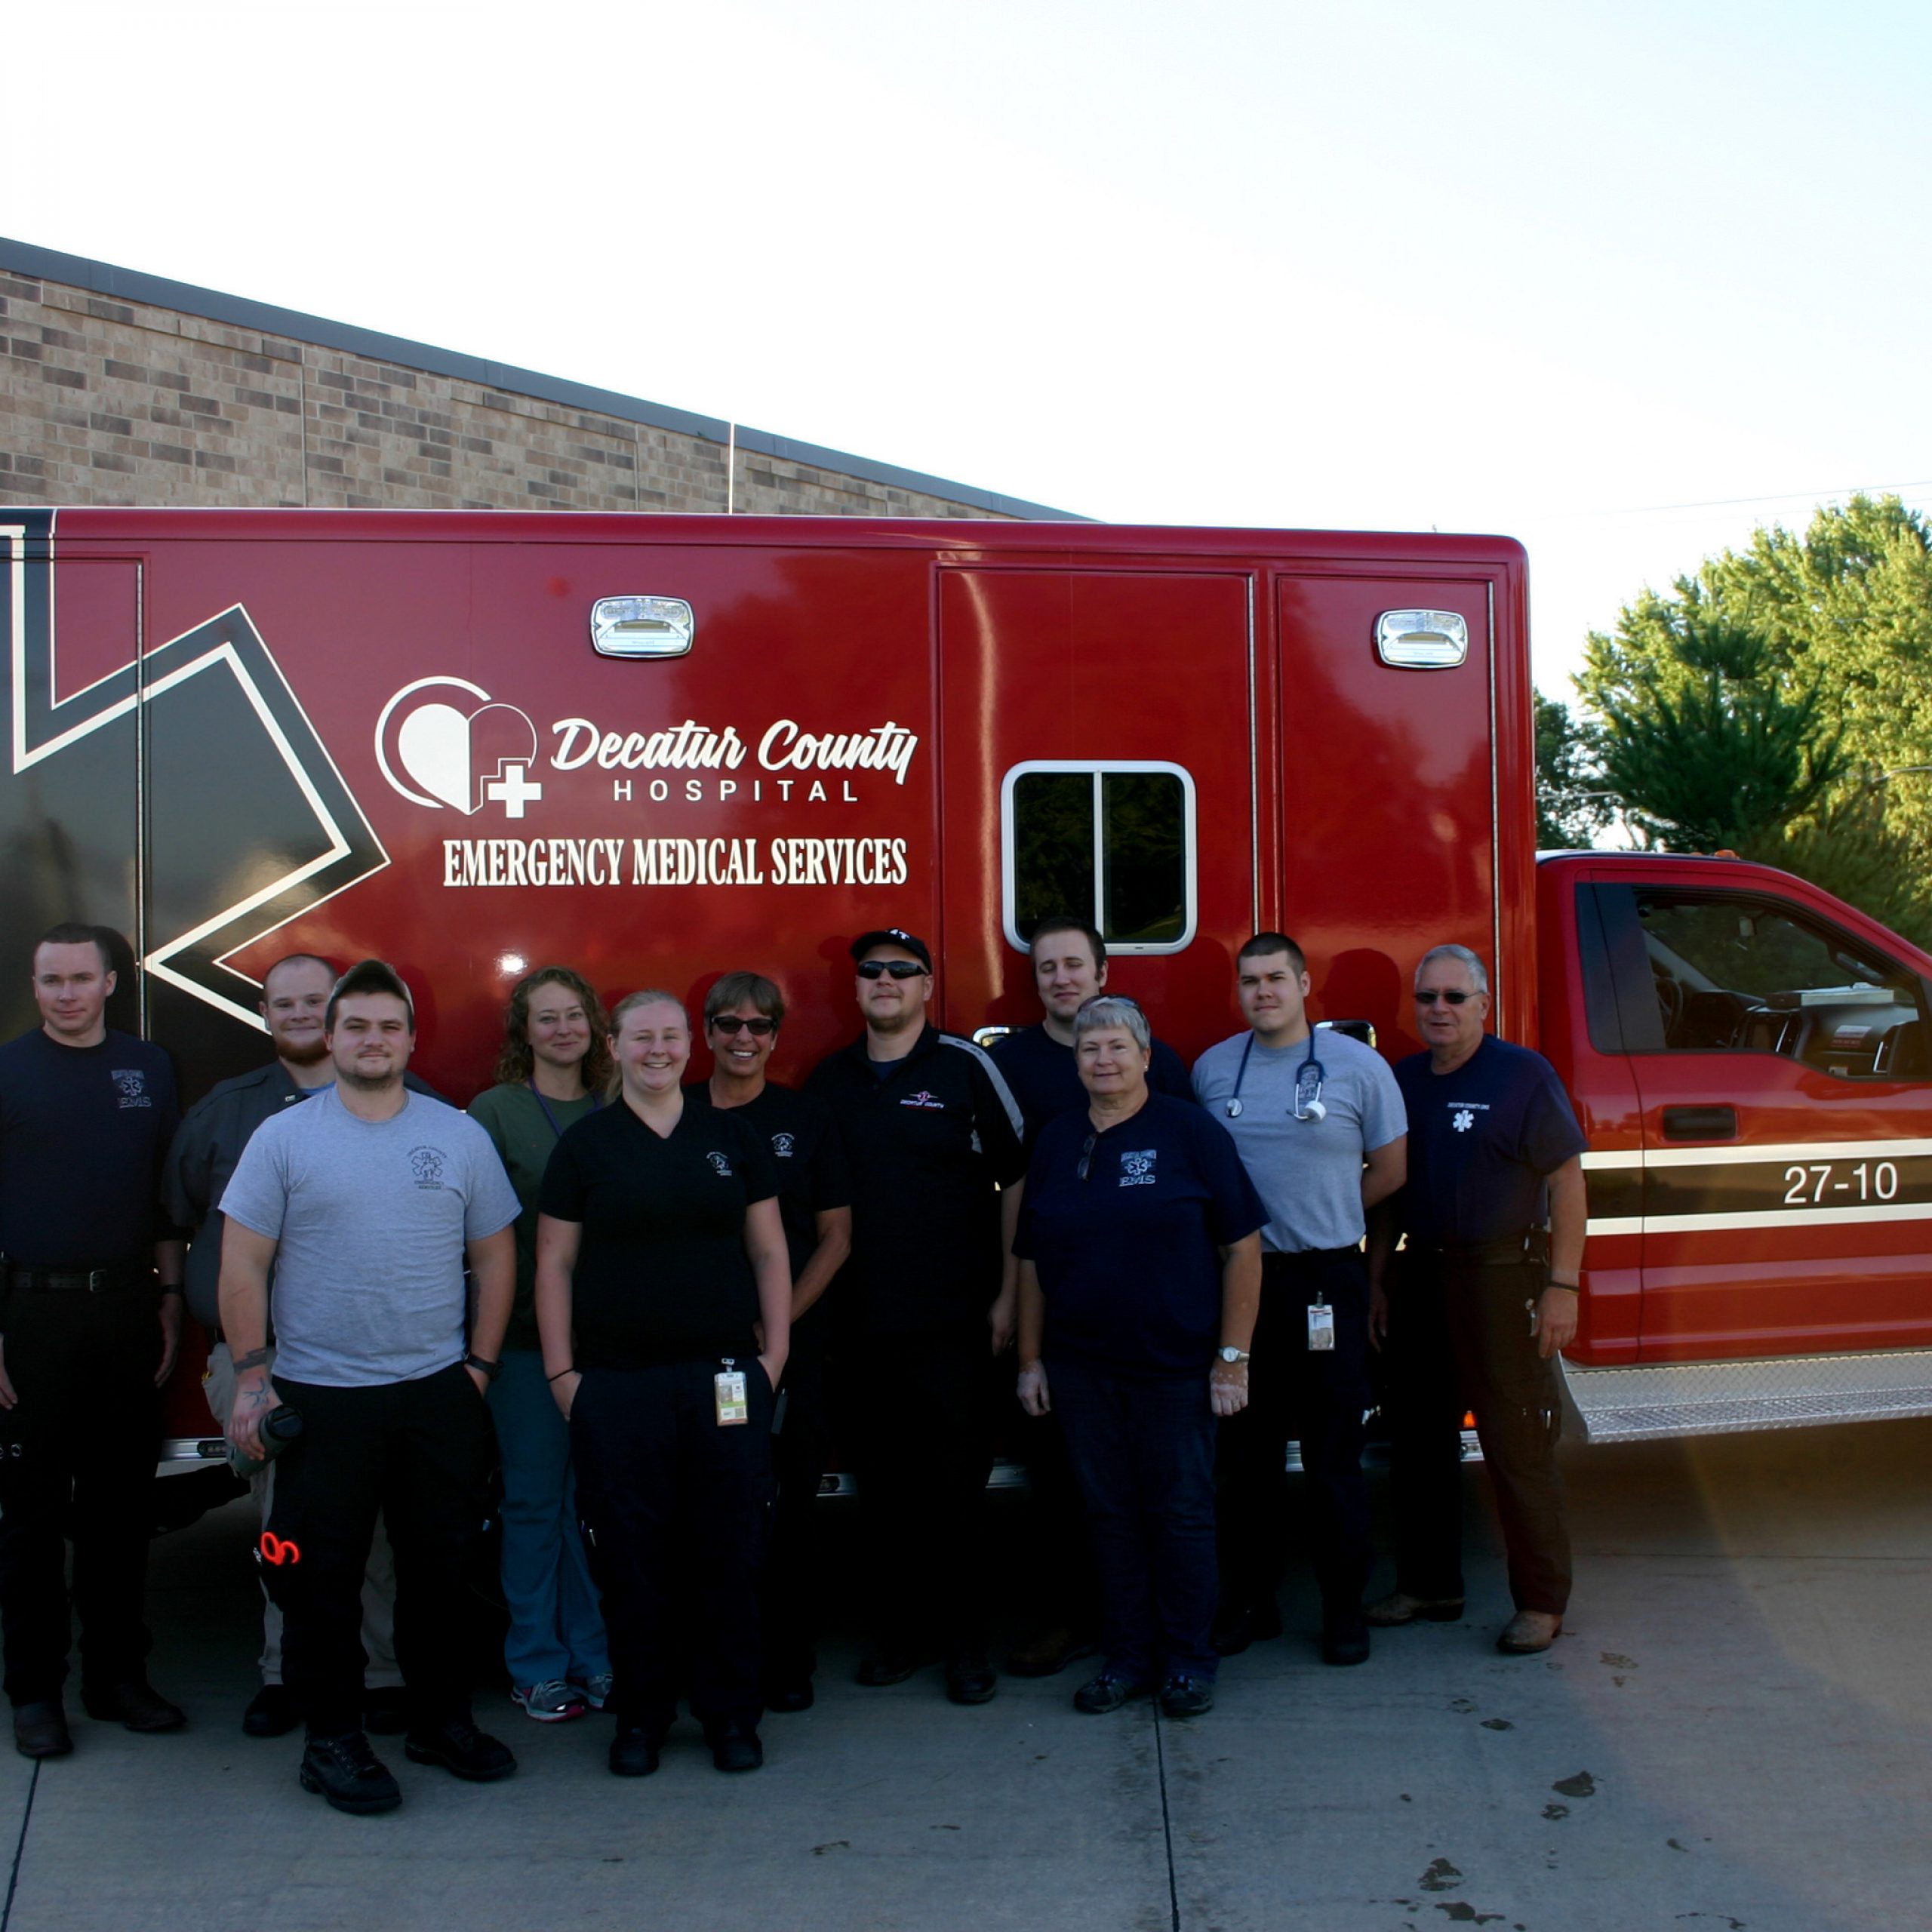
x,y
280,1427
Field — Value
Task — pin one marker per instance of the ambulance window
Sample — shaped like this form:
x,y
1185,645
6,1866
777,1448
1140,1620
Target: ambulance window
x,y
1736,974
1113,844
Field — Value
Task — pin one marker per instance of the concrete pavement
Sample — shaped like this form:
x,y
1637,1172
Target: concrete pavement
x,y
1736,1731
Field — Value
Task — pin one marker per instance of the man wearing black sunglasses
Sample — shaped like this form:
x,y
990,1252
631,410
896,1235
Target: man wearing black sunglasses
x,y
742,1014
1481,1301
927,1302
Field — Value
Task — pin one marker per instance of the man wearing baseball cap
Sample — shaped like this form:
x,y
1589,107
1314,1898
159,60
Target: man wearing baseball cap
x,y
936,1141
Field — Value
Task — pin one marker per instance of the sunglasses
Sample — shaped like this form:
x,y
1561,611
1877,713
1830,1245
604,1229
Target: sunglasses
x,y
729,1023
1453,998
1086,1156
900,969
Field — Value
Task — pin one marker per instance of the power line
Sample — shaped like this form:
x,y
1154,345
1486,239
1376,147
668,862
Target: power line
x,y
1730,502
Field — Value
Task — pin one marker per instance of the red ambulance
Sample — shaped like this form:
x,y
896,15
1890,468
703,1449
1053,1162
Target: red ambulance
x,y
658,748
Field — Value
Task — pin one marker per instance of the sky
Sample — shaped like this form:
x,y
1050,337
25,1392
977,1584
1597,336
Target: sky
x,y
1622,280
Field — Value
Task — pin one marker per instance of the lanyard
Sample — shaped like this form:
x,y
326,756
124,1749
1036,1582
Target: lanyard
x,y
1308,1106
556,1125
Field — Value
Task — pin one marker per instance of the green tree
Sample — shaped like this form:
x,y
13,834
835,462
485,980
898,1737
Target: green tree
x,y
1843,612
1572,807
1719,754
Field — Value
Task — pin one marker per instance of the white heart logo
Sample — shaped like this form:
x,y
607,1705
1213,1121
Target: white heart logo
x,y
434,746
456,757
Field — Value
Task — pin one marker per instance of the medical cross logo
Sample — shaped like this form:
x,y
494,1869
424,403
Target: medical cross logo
x,y
454,756
427,1164
781,1146
132,1084
1462,1121
1137,1170
721,1162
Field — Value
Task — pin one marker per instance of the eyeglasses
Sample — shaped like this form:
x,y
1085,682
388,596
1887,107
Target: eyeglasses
x,y
1453,998
900,969
730,1023
1086,1156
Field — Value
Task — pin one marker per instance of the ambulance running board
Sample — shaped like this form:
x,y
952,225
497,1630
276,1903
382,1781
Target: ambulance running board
x,y
1659,1399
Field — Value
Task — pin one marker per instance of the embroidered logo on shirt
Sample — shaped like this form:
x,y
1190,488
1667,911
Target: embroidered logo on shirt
x,y
1462,1121
1137,1170
781,1146
427,1164
133,1085
721,1163
923,1099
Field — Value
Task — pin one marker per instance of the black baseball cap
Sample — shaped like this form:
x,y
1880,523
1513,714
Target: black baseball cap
x,y
892,936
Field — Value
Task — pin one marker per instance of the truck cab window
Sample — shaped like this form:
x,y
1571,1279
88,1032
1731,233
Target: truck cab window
x,y
1110,843
1739,974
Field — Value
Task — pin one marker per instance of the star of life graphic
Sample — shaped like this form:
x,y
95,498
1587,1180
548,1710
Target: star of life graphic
x,y
447,755
215,683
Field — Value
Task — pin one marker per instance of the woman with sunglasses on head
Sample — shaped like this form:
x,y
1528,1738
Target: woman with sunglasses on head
x,y
664,1299
554,1061
742,1014
1139,1273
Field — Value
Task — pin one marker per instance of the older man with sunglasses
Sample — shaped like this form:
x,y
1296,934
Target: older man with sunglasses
x,y
1482,1300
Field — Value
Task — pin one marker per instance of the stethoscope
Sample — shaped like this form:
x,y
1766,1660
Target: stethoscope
x,y
1308,1077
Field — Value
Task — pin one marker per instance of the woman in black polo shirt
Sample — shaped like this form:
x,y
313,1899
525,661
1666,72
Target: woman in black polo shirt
x,y
1139,1274
663,1298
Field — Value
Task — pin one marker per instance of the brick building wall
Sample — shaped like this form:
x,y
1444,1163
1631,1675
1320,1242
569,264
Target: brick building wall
x,y
122,388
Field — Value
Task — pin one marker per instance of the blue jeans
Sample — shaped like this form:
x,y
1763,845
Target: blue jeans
x,y
556,1628
1143,1452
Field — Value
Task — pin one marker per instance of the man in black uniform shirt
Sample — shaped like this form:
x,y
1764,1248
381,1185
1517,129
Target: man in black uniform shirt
x,y
85,1117
928,1301
1069,962
742,1014
1481,1303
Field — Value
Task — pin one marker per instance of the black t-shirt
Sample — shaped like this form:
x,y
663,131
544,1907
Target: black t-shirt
x,y
84,1132
662,1275
931,1140
808,1155
1481,1140
1045,1077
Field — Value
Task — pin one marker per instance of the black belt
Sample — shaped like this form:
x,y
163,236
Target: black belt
x,y
1532,1247
81,1280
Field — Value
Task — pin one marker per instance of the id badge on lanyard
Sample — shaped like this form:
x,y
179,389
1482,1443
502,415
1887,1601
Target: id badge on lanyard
x,y
727,1388
1321,1325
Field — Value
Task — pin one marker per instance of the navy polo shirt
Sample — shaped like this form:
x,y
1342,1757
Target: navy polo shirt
x,y
84,1132
1045,1077
1480,1141
1127,1257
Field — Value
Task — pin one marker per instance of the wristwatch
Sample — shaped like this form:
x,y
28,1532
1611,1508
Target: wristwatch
x,y
489,1370
1231,1355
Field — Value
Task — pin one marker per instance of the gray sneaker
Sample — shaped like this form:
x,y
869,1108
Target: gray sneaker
x,y
553,1701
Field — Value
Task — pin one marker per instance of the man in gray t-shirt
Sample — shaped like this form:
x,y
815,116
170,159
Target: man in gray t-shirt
x,y
1319,1124
365,1203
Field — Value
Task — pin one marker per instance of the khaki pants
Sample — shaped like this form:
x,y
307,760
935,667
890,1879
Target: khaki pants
x,y
378,1576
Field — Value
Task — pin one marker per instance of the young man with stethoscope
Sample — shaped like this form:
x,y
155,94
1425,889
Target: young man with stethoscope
x,y
1321,1128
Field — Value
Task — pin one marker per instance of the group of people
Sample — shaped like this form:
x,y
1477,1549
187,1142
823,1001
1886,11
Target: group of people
x,y
654,1303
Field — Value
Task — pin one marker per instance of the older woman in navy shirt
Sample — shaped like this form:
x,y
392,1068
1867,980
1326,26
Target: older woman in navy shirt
x,y
1140,1273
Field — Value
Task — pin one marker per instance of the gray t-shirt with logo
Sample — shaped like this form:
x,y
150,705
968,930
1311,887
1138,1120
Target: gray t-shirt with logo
x,y
1307,1172
371,1218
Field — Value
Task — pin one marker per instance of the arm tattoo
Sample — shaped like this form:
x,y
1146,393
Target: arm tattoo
x,y
254,1358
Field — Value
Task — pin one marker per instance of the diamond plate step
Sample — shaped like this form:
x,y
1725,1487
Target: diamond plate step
x,y
1659,1399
